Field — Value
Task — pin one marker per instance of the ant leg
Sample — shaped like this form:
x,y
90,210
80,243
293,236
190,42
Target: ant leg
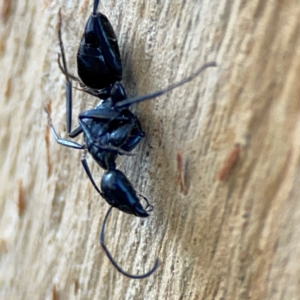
x,y
64,70
103,114
151,207
102,94
126,136
68,82
88,172
136,135
128,102
61,141
104,145
114,262
120,136
75,132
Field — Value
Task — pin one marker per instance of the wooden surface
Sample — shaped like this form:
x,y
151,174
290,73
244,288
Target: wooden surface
x,y
220,161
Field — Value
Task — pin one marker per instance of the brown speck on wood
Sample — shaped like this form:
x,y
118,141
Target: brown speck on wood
x,y
21,198
76,286
7,90
160,132
5,10
3,247
182,175
54,293
47,3
47,140
229,163
83,6
2,47
48,106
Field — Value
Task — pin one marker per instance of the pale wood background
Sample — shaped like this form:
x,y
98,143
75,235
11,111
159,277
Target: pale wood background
x,y
233,239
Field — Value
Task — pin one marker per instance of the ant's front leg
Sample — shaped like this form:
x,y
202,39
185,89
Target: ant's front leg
x,y
59,140
103,143
136,135
64,69
127,135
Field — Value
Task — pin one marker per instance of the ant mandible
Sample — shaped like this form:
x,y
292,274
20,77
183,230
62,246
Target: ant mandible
x,y
110,128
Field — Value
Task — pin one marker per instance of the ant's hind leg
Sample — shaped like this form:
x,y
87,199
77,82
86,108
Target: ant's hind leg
x,y
132,276
88,172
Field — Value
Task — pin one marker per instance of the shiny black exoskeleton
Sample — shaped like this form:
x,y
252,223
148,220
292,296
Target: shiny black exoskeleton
x,y
98,59
110,128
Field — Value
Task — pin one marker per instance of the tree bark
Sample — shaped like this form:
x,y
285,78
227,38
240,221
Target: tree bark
x,y
220,161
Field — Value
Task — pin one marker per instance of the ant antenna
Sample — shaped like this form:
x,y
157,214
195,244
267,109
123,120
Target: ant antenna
x,y
114,262
128,102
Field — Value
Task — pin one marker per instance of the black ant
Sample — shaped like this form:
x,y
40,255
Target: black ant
x,y
110,128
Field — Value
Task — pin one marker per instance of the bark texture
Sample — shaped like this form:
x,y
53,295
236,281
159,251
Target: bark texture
x,y
220,161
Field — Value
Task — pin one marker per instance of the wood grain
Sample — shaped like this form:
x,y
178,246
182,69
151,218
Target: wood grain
x,y
233,239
